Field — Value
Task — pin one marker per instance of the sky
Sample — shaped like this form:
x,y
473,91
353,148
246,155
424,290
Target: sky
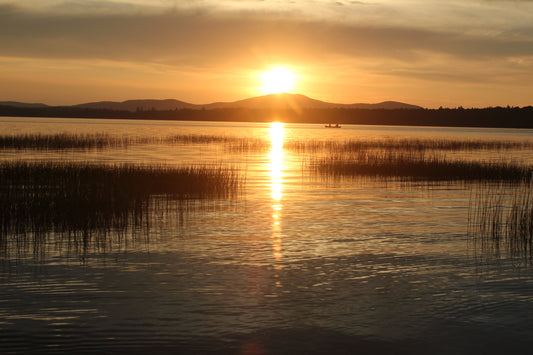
x,y
432,53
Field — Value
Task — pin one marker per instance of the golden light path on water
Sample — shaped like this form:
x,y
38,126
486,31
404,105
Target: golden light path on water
x,y
277,132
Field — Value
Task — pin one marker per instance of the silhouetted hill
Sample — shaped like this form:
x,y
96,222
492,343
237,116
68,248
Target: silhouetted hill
x,y
297,101
273,101
276,102
385,105
21,104
139,105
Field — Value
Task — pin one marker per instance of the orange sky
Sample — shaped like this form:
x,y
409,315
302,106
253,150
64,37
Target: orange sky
x,y
471,53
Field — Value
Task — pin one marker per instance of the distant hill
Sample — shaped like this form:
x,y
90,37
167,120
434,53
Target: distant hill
x,y
273,101
21,104
139,105
297,101
385,105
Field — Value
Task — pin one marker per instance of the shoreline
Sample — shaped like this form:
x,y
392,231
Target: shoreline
x,y
497,117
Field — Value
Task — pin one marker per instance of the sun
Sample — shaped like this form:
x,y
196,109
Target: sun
x,y
277,80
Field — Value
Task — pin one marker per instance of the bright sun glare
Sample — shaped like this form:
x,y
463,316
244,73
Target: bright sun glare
x,y
277,80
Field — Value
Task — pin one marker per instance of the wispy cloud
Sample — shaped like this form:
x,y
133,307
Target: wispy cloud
x,y
191,36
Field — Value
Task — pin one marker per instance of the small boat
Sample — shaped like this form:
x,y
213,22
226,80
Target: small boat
x,y
332,126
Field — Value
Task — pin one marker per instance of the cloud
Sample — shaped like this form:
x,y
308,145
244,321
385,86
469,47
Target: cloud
x,y
80,6
208,37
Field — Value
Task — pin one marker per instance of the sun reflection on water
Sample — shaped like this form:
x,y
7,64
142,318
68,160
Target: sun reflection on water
x,y
277,132
276,160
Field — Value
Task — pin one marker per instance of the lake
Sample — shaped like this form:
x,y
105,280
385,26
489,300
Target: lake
x,y
294,264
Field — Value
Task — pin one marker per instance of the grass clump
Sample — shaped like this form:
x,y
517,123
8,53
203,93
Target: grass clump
x,y
62,141
403,145
83,202
416,167
100,141
500,221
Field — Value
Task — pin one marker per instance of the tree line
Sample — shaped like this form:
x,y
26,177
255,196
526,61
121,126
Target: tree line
x,y
509,117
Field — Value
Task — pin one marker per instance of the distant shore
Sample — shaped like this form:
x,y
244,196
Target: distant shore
x,y
497,117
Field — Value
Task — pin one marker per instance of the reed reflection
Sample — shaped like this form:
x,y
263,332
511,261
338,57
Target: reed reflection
x,y
277,132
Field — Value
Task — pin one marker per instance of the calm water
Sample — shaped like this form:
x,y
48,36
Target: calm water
x,y
297,265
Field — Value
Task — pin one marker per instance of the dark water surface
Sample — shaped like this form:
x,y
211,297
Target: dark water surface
x,y
297,265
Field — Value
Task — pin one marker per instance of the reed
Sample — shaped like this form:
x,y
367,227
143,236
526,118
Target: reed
x,y
500,222
101,141
416,167
62,141
404,145
233,143
82,203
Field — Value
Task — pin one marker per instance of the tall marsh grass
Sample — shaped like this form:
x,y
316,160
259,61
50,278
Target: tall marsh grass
x,y
100,141
244,144
63,141
500,221
416,167
82,204
404,145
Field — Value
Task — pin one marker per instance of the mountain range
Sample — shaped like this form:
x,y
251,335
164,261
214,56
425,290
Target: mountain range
x,y
272,101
